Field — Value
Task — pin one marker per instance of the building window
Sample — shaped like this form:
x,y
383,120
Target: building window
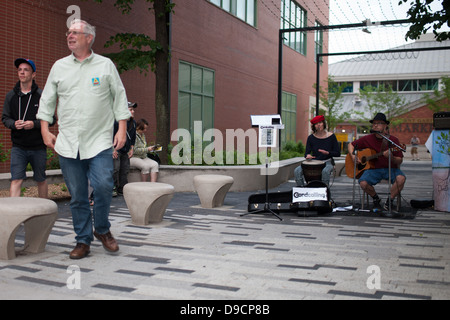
x,y
195,96
289,117
243,9
413,85
389,84
428,84
348,87
368,84
407,85
292,17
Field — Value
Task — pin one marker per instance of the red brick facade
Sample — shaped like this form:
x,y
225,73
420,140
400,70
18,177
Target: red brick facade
x,y
418,122
244,58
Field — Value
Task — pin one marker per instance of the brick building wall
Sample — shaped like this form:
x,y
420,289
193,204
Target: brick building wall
x,y
244,58
418,122
36,30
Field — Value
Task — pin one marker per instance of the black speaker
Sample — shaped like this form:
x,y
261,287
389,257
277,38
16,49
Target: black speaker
x,y
421,203
441,120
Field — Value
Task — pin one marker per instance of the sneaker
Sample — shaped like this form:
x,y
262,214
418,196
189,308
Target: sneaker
x,y
386,205
114,192
377,205
394,213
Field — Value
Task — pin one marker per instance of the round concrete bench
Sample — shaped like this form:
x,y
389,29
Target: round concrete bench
x,y
37,215
212,189
147,201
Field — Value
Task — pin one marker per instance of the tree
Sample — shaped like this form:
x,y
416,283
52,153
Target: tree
x,y
332,100
441,99
423,19
139,51
383,99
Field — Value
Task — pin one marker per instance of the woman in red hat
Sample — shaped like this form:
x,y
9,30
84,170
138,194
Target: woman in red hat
x,y
321,145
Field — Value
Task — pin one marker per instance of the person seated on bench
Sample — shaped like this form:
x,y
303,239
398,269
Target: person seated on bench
x,y
321,145
140,159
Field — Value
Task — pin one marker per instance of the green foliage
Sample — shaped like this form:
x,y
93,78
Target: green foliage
x,y
52,160
383,99
3,154
423,19
443,142
290,150
125,6
332,99
136,51
437,103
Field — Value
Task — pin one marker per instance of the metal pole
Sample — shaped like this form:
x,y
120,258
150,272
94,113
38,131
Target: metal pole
x,y
280,70
280,78
318,82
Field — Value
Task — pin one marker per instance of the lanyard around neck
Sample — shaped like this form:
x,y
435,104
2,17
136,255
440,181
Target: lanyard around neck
x,y
20,107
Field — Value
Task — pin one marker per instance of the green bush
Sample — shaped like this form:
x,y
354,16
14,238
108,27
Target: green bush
x,y
290,150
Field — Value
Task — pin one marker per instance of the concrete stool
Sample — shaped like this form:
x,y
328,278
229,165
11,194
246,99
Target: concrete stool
x,y
212,189
147,201
37,215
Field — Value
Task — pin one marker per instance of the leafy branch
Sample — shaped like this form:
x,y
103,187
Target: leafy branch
x,y
132,54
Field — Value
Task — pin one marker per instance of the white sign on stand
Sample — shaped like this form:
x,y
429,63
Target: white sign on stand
x,y
267,137
268,127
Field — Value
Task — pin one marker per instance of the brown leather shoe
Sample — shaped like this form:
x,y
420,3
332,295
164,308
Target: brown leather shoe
x,y
81,251
108,241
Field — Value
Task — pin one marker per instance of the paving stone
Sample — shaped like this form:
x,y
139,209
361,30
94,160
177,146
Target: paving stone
x,y
215,254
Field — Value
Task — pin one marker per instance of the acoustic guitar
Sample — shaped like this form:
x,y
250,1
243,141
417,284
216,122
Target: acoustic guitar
x,y
365,156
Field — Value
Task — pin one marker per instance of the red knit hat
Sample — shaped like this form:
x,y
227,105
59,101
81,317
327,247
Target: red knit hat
x,y
317,119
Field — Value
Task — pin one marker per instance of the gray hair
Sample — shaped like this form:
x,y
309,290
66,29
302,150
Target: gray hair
x,y
89,29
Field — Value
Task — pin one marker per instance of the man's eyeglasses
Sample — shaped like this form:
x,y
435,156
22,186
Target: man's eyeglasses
x,y
75,33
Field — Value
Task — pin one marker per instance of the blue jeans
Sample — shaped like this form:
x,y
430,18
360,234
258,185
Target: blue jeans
x,y
77,174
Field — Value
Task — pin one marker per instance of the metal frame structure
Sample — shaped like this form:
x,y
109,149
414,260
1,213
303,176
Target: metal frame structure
x,y
364,24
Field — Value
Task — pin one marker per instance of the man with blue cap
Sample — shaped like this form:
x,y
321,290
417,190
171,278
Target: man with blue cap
x,y
19,114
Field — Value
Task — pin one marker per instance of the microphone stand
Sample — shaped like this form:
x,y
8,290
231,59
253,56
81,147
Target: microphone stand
x,y
355,152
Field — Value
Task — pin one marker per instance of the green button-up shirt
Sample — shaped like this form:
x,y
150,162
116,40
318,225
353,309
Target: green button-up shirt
x,y
89,96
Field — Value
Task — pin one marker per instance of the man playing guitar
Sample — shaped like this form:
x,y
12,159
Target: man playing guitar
x,y
379,166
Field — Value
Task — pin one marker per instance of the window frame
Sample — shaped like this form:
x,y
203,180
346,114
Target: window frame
x,y
293,16
289,116
196,96
250,7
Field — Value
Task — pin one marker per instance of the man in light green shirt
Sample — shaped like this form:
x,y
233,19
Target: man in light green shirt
x,y
90,97
88,94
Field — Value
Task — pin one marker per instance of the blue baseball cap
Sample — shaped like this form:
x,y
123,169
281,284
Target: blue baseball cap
x,y
19,61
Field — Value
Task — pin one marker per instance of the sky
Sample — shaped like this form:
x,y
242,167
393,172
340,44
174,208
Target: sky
x,y
380,37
